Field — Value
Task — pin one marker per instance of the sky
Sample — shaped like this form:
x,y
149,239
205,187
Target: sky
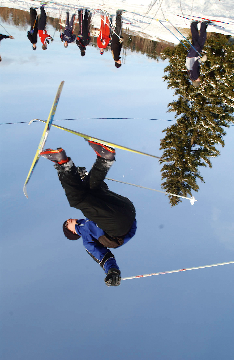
x,y
54,302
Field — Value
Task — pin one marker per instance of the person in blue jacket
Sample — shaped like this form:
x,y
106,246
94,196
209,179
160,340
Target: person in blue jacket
x,y
193,58
67,36
109,218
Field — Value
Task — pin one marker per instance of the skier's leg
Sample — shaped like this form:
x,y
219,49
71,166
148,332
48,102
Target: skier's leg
x,y
72,22
195,33
202,37
118,26
42,20
86,23
67,21
33,16
71,182
86,15
101,27
89,19
68,175
97,174
80,21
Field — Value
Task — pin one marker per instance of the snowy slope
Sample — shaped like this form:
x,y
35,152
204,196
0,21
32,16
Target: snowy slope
x,y
142,16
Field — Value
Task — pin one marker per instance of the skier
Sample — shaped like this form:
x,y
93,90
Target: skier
x,y
83,39
116,43
32,33
110,218
67,36
104,35
41,29
5,37
193,58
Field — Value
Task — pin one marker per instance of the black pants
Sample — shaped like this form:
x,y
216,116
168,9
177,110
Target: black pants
x,y
33,18
69,25
113,213
42,19
198,40
32,34
118,26
84,26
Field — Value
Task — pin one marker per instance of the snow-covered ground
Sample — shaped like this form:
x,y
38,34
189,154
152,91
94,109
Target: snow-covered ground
x,y
143,17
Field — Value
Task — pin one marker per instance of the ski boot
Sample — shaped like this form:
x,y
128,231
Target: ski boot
x,y
103,151
58,156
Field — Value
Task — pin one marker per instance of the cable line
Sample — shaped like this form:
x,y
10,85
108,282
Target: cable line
x,y
94,118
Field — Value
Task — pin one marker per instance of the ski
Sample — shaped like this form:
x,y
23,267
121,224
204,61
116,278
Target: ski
x,y
44,136
87,137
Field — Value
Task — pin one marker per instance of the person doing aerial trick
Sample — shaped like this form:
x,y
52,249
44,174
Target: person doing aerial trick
x,y
110,218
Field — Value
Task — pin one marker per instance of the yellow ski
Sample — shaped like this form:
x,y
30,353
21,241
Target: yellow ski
x,y
44,136
87,137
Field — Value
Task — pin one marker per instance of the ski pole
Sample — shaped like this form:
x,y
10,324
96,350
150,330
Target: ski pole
x,y
6,30
44,136
173,34
176,271
87,137
184,38
54,33
192,199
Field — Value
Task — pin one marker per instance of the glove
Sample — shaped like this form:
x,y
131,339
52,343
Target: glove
x,y
113,277
203,58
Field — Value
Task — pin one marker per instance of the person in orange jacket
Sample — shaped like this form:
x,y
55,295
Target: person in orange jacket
x,y
41,29
104,35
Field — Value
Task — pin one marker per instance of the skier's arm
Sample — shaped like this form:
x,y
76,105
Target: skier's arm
x,y
4,37
100,254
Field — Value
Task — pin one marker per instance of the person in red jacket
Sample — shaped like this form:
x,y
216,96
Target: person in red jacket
x,y
41,29
104,35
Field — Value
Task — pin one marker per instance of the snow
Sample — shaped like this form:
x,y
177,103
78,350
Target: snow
x,y
142,17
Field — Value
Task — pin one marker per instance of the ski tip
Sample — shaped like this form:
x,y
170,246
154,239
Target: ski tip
x,y
31,121
25,191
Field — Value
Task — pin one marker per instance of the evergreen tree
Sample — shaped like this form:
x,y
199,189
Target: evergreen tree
x,y
202,114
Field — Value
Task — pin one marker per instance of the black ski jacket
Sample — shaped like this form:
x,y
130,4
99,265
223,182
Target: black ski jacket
x,y
3,37
32,36
112,213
